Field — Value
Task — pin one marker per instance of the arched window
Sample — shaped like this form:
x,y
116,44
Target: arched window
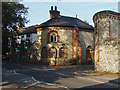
x,y
53,37
44,52
52,52
63,52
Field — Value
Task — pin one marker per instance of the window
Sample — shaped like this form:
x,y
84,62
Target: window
x,y
22,36
28,35
52,52
63,52
53,37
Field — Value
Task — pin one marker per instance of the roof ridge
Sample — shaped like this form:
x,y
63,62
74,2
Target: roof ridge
x,y
66,21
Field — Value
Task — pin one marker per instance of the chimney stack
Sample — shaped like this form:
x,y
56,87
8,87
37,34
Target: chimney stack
x,y
55,8
51,7
54,13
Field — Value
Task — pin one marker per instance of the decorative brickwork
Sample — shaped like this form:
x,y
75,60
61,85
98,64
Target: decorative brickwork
x,y
56,33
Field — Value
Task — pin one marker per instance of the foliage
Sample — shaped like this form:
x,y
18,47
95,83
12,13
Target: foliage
x,y
13,15
73,61
4,40
89,60
94,71
40,62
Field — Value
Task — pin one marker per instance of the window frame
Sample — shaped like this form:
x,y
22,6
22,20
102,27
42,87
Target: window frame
x,y
62,53
54,37
51,50
65,52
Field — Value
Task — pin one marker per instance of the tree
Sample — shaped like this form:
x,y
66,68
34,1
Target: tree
x,y
13,15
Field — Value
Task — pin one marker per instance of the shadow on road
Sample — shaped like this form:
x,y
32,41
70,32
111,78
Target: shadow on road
x,y
50,74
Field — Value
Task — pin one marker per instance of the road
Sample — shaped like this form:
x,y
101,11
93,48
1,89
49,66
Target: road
x,y
65,77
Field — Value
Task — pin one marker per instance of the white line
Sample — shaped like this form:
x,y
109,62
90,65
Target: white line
x,y
57,85
89,79
14,72
51,84
113,84
98,81
45,82
34,79
62,74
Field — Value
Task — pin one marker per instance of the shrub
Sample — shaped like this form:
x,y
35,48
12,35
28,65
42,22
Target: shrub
x,y
73,61
89,60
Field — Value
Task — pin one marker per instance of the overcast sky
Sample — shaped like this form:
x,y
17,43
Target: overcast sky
x,y
38,11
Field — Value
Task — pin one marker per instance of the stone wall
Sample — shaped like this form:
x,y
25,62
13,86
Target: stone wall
x,y
106,42
86,39
65,38
69,39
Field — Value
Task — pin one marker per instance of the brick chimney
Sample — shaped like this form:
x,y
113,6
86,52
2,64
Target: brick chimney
x,y
54,13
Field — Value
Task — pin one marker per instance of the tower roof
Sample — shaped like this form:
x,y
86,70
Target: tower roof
x,y
108,13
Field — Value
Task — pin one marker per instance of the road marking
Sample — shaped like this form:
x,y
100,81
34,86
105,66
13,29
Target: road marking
x,y
50,84
75,76
57,85
34,79
14,72
97,81
89,79
62,74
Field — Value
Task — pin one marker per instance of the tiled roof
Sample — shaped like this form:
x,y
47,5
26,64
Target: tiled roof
x,y
64,21
28,30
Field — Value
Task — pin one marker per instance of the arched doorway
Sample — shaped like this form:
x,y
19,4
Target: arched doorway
x,y
63,53
53,56
44,52
90,55
52,52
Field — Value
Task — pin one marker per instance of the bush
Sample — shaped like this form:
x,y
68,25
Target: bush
x,y
89,60
73,61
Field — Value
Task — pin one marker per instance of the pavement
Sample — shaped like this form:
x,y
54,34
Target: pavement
x,y
101,77
16,80
96,76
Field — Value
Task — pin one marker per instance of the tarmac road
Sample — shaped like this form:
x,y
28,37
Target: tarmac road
x,y
65,76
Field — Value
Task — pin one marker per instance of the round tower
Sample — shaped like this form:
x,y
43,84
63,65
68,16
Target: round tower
x,y
106,41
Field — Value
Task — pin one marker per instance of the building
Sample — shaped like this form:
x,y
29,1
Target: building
x,y
62,39
26,36
107,41
28,33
